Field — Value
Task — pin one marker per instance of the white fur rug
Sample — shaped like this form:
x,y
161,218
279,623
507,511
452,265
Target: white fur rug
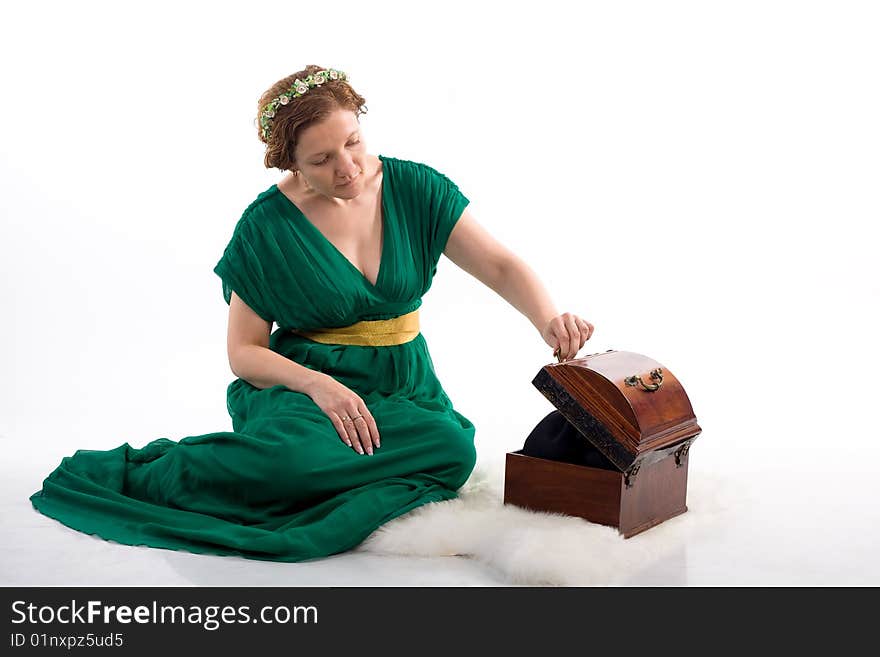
x,y
536,548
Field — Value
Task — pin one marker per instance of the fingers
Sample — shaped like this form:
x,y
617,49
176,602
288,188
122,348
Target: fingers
x,y
349,415
586,330
352,438
370,423
362,433
571,333
341,427
567,336
560,333
359,429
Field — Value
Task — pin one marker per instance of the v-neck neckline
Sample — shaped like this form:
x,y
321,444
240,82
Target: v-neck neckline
x,y
323,238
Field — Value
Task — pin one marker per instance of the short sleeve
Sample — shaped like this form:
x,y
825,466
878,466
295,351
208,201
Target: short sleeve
x,y
241,269
446,204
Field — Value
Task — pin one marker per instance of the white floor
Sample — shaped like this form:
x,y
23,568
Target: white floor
x,y
760,522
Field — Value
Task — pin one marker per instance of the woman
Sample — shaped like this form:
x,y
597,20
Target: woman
x,y
339,422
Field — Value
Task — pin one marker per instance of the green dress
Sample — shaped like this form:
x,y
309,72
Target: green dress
x,y
281,485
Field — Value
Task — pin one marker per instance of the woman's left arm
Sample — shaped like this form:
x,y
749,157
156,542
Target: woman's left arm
x,y
473,249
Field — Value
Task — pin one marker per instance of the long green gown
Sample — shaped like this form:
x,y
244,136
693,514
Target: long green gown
x,y
281,485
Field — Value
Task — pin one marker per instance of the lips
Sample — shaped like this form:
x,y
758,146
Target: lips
x,y
350,181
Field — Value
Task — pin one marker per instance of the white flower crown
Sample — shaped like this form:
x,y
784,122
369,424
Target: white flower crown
x,y
298,89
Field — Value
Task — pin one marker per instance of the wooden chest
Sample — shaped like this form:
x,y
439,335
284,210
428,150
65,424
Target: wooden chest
x,y
636,413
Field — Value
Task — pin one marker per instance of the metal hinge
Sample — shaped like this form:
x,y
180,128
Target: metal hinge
x,y
629,477
680,453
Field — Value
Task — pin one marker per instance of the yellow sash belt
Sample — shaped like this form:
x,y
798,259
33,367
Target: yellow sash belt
x,y
373,333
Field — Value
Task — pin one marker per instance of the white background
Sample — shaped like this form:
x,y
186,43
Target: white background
x,y
697,179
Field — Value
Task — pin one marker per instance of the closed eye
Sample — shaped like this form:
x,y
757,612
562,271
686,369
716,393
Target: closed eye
x,y
326,159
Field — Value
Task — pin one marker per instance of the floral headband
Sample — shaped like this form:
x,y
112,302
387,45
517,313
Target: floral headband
x,y
298,89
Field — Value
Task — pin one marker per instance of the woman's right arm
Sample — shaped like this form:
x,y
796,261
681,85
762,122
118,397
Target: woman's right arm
x,y
251,359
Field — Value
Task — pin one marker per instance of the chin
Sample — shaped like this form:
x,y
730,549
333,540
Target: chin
x,y
352,191
347,193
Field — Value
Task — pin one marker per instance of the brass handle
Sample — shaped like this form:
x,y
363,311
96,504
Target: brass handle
x,y
656,375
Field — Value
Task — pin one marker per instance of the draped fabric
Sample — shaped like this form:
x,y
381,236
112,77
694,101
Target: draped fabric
x,y
281,485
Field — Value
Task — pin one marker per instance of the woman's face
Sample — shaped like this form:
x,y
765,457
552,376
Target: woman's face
x,y
331,153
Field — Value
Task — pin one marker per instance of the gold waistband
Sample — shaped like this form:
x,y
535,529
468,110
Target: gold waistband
x,y
371,333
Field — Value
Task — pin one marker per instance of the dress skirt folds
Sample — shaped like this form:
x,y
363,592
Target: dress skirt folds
x,y
282,485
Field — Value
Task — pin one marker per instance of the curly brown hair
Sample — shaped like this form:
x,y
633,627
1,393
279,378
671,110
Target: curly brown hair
x,y
291,119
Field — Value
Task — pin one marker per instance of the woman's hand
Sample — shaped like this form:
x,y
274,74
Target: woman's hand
x,y
353,421
567,333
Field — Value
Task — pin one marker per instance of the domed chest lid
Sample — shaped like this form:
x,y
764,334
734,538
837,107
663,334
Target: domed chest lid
x,y
628,405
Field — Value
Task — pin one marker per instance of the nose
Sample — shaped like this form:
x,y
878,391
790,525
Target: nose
x,y
348,169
